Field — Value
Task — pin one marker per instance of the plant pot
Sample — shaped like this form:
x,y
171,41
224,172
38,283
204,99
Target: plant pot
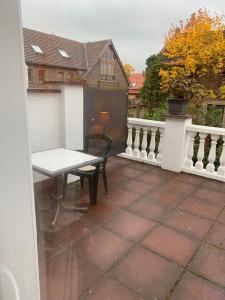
x,y
177,106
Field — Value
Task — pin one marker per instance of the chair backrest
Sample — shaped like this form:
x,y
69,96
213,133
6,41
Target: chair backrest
x,y
98,144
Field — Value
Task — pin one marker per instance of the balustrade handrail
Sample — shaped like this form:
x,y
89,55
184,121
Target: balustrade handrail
x,y
145,123
206,129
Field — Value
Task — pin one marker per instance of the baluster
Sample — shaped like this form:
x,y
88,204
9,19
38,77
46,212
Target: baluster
x,y
210,168
159,155
151,155
143,153
129,150
200,155
221,169
189,161
136,151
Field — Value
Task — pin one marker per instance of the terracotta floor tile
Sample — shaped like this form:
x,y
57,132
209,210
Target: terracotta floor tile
x,y
209,262
107,288
67,276
129,225
69,234
151,209
200,207
152,178
192,287
210,195
138,186
115,180
162,172
129,172
47,248
173,192
171,244
102,248
221,217
217,236
121,197
189,223
100,212
147,274
214,184
189,178
141,166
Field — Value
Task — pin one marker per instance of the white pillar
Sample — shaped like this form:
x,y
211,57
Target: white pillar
x,y
73,116
19,277
175,142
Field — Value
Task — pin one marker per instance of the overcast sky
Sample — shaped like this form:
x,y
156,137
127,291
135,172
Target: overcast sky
x,y
137,27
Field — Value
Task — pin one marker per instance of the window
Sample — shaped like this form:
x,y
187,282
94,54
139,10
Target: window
x,y
72,76
30,75
41,76
108,66
37,49
63,53
60,76
132,84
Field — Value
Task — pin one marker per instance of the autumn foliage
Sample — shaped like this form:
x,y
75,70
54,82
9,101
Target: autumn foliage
x,y
194,55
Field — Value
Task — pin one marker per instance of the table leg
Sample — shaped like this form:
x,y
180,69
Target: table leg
x,y
59,185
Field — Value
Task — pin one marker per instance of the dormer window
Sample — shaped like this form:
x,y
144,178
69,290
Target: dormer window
x,y
133,84
37,49
63,53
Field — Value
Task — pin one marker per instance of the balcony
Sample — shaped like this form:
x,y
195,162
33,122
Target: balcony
x,y
157,234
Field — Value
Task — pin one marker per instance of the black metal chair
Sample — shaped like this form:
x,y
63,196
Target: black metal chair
x,y
97,144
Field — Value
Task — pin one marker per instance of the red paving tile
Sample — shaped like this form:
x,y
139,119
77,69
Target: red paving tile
x,y
209,262
101,212
69,234
102,248
121,197
221,217
189,223
152,178
67,276
138,186
193,179
151,209
129,225
172,193
141,166
171,244
210,195
201,207
192,287
214,185
129,172
146,273
109,289
217,236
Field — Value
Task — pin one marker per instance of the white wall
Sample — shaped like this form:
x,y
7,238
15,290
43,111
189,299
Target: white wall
x,y
18,244
73,116
45,120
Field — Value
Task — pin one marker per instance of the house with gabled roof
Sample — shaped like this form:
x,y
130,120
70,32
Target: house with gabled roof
x,y
53,60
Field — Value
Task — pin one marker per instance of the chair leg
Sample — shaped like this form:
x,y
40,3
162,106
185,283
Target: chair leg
x,y
105,181
91,192
65,184
82,182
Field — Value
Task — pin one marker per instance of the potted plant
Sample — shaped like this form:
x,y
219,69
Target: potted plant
x,y
179,95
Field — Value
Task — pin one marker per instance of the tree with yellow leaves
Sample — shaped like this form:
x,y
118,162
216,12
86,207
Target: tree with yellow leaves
x,y
194,55
128,69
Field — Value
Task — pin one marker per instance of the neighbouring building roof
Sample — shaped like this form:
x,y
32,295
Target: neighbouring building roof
x,y
81,55
136,82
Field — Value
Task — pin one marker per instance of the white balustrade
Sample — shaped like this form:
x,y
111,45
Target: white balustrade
x,y
151,155
138,150
141,131
210,168
221,169
200,155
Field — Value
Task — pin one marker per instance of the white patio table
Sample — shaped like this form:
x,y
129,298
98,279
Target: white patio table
x,y
56,162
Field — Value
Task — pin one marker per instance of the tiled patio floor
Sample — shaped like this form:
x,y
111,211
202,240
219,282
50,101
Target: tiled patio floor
x,y
156,235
